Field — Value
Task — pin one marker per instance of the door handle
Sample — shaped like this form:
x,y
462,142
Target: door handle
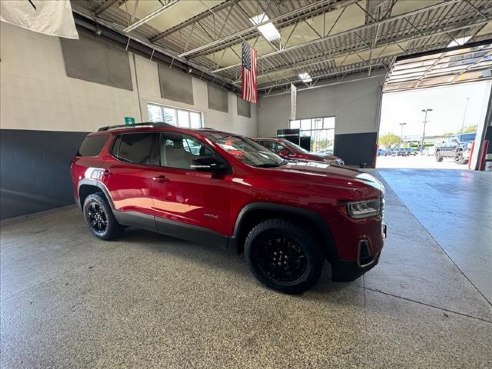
x,y
160,179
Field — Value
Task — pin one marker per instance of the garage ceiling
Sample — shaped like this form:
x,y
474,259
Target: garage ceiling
x,y
323,38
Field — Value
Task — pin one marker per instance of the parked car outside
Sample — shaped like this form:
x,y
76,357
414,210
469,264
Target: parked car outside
x,y
410,151
457,147
399,151
223,189
288,150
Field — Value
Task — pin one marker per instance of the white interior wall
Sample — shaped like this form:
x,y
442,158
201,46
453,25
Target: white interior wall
x,y
38,95
148,82
354,104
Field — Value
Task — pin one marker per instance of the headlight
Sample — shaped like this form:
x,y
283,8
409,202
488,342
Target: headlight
x,y
365,208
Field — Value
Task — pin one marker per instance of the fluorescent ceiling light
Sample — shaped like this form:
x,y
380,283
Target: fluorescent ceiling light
x,y
459,41
268,30
305,77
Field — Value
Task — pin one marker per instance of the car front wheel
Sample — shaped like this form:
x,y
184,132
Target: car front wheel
x,y
460,159
283,256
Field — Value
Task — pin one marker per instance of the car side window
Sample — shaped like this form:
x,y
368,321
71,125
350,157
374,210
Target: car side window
x,y
180,151
133,148
277,148
267,144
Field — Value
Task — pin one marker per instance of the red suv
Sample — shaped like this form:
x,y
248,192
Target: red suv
x,y
289,150
223,189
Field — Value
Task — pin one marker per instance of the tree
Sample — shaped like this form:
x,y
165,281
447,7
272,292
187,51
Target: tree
x,y
388,139
471,129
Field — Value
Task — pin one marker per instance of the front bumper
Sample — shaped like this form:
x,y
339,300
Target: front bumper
x,y
348,271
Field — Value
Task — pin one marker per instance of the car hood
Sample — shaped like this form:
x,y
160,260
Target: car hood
x,y
328,156
323,171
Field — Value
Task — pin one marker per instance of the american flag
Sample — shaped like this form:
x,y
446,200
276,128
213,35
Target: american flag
x,y
249,86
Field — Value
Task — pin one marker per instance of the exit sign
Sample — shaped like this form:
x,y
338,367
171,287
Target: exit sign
x,y
129,120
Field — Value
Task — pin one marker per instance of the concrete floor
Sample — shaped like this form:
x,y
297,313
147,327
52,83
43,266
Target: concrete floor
x,y
148,301
417,162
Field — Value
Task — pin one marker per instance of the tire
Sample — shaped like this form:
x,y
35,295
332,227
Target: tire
x,y
438,156
100,218
268,246
459,159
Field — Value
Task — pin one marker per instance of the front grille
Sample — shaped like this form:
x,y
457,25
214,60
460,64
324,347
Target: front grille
x,y
364,253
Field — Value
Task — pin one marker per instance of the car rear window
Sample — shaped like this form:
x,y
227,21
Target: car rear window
x,y
92,145
133,148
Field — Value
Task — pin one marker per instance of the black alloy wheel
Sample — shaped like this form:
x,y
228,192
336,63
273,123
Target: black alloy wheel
x,y
97,217
281,258
100,218
284,256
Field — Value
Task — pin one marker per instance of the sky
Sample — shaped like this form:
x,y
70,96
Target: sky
x,y
448,104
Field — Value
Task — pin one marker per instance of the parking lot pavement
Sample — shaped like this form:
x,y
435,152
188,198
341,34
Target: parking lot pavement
x,y
416,162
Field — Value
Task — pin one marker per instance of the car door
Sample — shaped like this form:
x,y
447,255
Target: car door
x,y
188,202
128,178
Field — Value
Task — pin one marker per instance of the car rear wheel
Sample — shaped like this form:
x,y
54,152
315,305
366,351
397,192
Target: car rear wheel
x,y
283,256
438,156
100,218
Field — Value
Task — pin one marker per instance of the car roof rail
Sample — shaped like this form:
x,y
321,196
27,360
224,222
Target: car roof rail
x,y
147,124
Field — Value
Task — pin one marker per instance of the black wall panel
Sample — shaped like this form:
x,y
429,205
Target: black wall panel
x,y
34,170
356,148
217,98
488,136
175,85
243,108
95,60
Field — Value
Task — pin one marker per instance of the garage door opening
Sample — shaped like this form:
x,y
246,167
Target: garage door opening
x,y
431,128
430,118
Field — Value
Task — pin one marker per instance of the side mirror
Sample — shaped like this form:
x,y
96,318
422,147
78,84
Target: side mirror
x,y
209,164
283,153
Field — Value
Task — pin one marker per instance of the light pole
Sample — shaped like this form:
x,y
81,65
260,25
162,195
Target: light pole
x,y
401,132
423,132
464,115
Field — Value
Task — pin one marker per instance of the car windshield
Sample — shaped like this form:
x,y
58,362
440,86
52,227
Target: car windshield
x,y
294,147
246,150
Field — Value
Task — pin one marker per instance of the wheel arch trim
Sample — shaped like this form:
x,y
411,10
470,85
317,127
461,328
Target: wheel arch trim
x,y
318,221
95,183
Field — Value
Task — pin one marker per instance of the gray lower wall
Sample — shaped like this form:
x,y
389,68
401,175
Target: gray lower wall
x,y
35,170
